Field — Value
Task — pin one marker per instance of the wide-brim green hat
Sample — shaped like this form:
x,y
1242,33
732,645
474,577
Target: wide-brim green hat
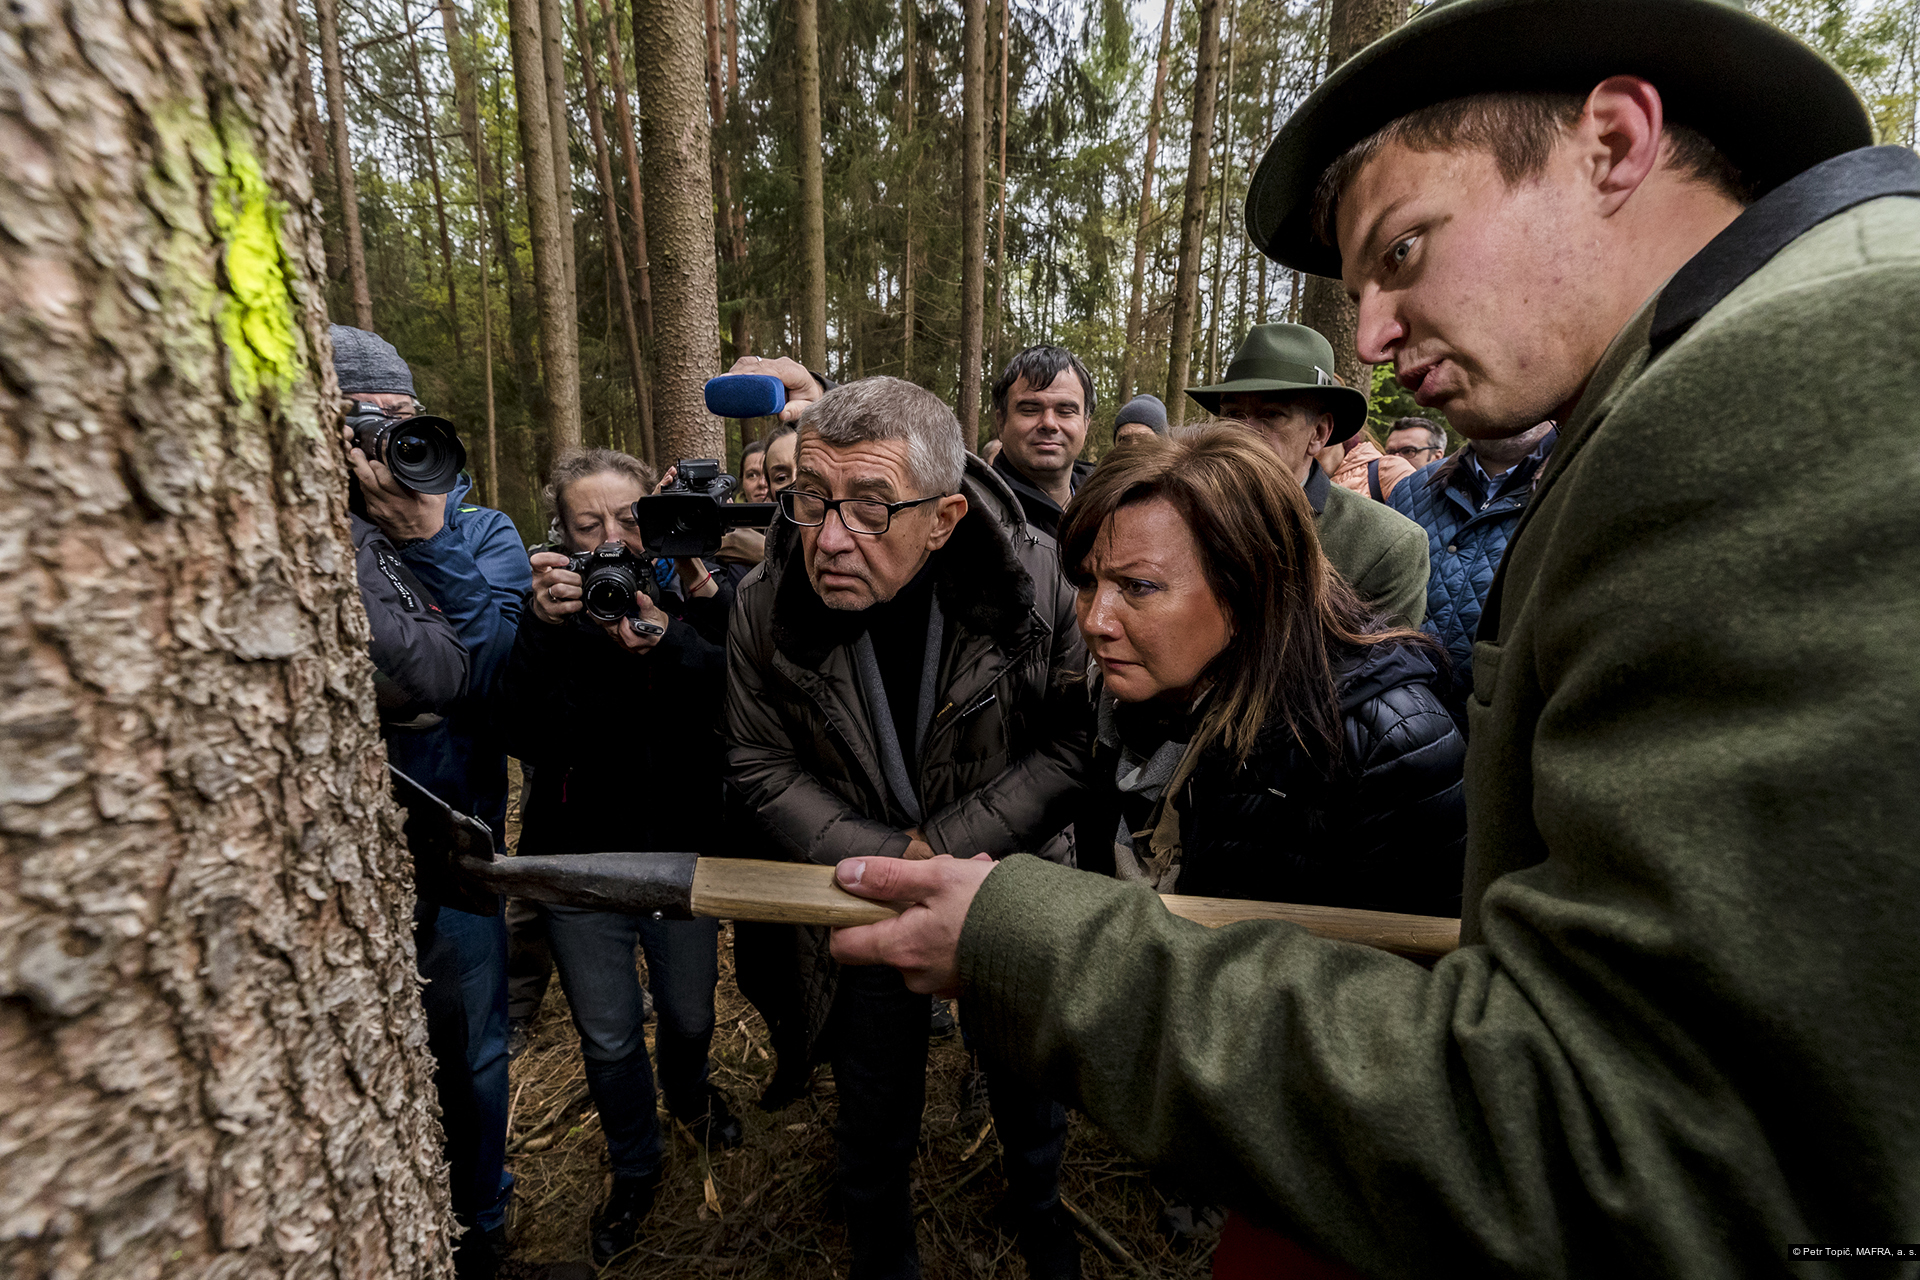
x,y
1289,357
1773,106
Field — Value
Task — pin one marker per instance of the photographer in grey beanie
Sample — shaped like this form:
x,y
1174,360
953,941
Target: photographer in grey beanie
x,y
471,562
1140,417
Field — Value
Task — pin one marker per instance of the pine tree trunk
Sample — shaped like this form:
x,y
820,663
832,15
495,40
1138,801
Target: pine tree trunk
x,y
553,296
432,153
813,199
1214,298
210,1032
973,203
553,52
320,162
345,187
910,44
1136,297
667,58
493,209
1000,218
1352,25
1194,210
603,172
636,194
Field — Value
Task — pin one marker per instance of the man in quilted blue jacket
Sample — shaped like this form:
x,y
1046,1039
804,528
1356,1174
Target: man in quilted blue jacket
x,y
1469,504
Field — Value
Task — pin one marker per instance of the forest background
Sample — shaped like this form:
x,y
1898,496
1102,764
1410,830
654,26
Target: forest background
x,y
840,217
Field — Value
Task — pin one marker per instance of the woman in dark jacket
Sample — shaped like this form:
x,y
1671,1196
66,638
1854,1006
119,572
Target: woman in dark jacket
x,y
1262,734
621,730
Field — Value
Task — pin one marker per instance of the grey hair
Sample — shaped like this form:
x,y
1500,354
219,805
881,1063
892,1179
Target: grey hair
x,y
889,409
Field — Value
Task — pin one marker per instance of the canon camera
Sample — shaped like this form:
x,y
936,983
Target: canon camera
x,y
610,575
423,452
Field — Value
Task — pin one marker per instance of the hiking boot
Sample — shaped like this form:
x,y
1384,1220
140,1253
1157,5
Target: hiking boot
x,y
941,1026
714,1127
788,1086
1047,1241
516,1038
1191,1226
975,1105
478,1254
617,1224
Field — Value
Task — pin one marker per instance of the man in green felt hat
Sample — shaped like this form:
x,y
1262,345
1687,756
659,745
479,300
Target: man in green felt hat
x,y
1679,1035
1281,383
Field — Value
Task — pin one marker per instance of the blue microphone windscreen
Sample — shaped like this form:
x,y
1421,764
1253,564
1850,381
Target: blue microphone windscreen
x,y
745,395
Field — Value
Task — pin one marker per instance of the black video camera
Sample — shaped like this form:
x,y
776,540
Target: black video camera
x,y
688,517
423,452
609,576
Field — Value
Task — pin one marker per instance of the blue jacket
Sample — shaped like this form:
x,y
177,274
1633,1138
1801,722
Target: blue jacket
x,y
478,571
1467,533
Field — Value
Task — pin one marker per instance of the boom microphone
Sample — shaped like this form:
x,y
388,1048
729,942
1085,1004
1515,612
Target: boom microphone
x,y
745,395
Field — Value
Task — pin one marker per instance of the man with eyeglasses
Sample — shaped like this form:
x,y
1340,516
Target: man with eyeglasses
x,y
894,690
1417,441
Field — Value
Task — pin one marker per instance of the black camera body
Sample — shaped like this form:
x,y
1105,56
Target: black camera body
x,y
688,517
610,574
423,452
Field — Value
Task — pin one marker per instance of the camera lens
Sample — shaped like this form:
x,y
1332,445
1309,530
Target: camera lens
x,y
608,591
411,451
425,454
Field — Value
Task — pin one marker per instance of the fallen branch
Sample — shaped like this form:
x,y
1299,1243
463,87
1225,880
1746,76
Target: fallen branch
x,y
526,1141
1115,1252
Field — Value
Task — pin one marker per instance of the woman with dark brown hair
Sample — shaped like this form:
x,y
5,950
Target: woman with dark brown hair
x,y
1262,733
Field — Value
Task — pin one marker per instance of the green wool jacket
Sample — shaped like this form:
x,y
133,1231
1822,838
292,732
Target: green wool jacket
x,y
1681,1036
1375,548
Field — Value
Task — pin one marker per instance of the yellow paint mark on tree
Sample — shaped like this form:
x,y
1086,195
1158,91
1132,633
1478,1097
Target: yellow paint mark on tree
x,y
255,310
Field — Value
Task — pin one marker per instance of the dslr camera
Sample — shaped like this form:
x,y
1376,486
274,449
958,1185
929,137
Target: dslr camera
x,y
688,517
423,452
609,576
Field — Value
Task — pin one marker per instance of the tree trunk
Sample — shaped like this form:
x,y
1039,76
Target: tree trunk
x,y
1214,298
973,203
321,164
344,185
553,52
636,195
603,172
432,152
1136,298
667,57
486,367
910,42
559,339
1206,74
210,1030
493,208
1352,25
1000,218
813,198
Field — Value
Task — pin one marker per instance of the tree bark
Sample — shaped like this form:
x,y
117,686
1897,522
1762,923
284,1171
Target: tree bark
x,y
910,42
320,163
668,57
553,52
1136,297
603,172
813,196
1000,218
493,205
432,152
973,202
1226,173
344,185
636,194
210,1030
1193,213
553,298
1352,25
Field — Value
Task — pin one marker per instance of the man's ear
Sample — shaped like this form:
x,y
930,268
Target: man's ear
x,y
947,514
1322,428
1619,138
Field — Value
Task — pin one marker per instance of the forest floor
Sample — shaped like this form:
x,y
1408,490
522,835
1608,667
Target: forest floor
x,y
763,1209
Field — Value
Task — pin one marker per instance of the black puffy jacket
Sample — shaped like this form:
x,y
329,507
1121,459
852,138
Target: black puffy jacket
x,y
1386,832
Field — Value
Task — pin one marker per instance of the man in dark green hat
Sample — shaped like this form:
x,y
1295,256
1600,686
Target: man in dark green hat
x,y
1679,1037
1281,383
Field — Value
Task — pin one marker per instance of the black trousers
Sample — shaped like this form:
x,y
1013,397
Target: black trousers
x,y
877,1042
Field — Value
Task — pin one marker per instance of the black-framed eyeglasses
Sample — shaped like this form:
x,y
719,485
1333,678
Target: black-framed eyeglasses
x,y
1408,450
859,515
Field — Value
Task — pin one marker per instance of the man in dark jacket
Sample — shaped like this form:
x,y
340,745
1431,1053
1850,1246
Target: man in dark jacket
x,y
471,562
1042,403
1678,1037
1469,505
893,691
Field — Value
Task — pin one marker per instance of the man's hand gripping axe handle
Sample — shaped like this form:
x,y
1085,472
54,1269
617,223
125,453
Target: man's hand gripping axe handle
x,y
682,886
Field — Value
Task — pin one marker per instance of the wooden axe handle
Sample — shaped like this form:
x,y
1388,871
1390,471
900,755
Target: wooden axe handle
x,y
803,893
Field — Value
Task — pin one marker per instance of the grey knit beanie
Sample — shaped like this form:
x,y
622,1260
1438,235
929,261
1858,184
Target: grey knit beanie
x,y
367,362
1145,410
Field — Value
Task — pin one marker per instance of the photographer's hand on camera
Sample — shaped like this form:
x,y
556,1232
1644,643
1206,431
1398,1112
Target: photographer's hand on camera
x,y
401,514
622,632
556,588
